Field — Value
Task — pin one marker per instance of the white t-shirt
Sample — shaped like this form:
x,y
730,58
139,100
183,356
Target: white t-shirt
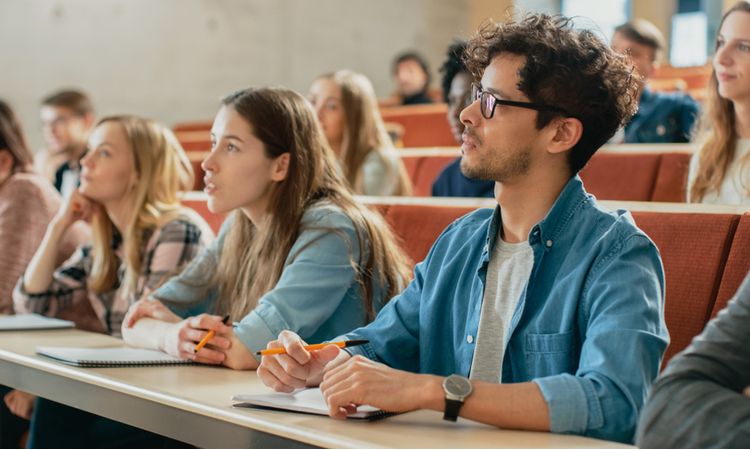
x,y
734,189
508,272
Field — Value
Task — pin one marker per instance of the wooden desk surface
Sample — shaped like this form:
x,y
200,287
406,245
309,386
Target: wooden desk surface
x,y
192,403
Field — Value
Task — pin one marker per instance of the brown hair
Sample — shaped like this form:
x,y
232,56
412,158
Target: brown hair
x,y
249,267
163,170
13,139
573,70
645,33
716,134
76,101
364,130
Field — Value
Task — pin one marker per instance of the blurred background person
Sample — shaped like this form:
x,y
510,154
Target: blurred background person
x,y
720,170
67,118
347,110
662,116
412,76
456,84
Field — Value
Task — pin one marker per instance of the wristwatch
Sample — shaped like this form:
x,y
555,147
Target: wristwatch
x,y
456,388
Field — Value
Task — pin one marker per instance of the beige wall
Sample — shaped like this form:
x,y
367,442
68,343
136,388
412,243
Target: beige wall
x,y
659,13
174,59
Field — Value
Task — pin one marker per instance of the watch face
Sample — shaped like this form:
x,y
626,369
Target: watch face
x,y
457,385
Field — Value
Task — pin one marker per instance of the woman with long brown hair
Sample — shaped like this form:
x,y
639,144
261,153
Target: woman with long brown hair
x,y
348,111
720,171
297,253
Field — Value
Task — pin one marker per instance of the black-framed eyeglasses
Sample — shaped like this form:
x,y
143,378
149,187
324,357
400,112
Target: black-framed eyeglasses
x,y
487,103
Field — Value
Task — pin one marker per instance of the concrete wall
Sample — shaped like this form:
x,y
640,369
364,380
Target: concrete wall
x,y
173,59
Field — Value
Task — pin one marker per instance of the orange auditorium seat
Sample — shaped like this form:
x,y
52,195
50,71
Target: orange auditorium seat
x,y
424,125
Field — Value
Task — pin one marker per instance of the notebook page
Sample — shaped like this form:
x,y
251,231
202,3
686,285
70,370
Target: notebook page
x,y
306,400
109,356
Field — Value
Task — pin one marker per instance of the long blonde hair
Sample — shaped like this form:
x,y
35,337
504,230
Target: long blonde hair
x,y
717,135
253,255
162,169
364,130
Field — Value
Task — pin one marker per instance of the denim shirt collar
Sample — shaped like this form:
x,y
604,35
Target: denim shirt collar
x,y
545,232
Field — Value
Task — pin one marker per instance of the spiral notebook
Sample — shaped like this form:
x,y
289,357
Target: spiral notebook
x,y
110,356
306,401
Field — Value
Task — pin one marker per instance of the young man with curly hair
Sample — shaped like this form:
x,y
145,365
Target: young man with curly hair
x,y
545,313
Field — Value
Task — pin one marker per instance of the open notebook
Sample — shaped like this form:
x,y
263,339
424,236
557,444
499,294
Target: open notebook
x,y
308,401
110,356
21,322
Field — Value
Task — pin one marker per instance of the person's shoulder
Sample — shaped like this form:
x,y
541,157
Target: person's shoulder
x,y
675,99
184,228
618,225
30,187
326,214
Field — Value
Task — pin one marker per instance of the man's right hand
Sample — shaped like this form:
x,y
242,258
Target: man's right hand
x,y
298,368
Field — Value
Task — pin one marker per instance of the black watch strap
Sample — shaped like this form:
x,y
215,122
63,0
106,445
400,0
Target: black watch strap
x,y
452,407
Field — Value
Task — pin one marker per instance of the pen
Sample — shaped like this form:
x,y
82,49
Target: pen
x,y
208,336
340,344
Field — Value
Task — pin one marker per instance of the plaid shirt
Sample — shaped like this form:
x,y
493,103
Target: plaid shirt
x,y
167,251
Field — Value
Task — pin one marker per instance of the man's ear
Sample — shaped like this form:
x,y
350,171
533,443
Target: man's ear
x,y
88,121
567,132
281,167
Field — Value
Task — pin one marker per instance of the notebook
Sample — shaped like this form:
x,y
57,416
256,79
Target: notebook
x,y
307,401
21,322
110,356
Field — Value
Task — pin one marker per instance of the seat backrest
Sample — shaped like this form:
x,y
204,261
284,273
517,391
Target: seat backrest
x,y
621,176
418,226
694,249
424,125
201,207
671,179
738,265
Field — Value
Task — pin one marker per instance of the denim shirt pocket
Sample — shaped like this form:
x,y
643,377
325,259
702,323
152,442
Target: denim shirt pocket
x,y
550,354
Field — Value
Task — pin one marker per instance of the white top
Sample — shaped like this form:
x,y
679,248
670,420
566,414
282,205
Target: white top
x,y
379,174
734,190
507,274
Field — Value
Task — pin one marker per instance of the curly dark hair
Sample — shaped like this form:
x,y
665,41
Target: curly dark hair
x,y
573,70
453,65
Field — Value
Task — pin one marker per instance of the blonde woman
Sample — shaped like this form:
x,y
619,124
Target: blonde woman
x,y
347,109
720,171
130,183
298,253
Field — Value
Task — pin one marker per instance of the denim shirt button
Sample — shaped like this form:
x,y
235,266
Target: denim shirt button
x,y
469,339
549,243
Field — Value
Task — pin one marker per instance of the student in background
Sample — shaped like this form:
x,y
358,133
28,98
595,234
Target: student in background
x,y
67,117
130,181
27,204
299,252
720,170
412,77
661,117
544,314
701,399
457,92
348,112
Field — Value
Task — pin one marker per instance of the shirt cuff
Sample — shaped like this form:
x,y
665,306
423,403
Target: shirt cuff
x,y
566,399
260,327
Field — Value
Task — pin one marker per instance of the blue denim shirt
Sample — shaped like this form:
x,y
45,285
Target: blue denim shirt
x,y
317,295
662,118
589,328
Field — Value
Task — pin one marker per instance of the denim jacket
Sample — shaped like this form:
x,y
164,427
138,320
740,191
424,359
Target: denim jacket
x,y
317,295
588,329
662,118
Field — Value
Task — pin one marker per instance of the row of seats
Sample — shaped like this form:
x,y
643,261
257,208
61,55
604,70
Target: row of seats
x,y
655,172
614,173
705,249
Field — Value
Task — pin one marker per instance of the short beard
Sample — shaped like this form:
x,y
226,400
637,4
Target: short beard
x,y
499,168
